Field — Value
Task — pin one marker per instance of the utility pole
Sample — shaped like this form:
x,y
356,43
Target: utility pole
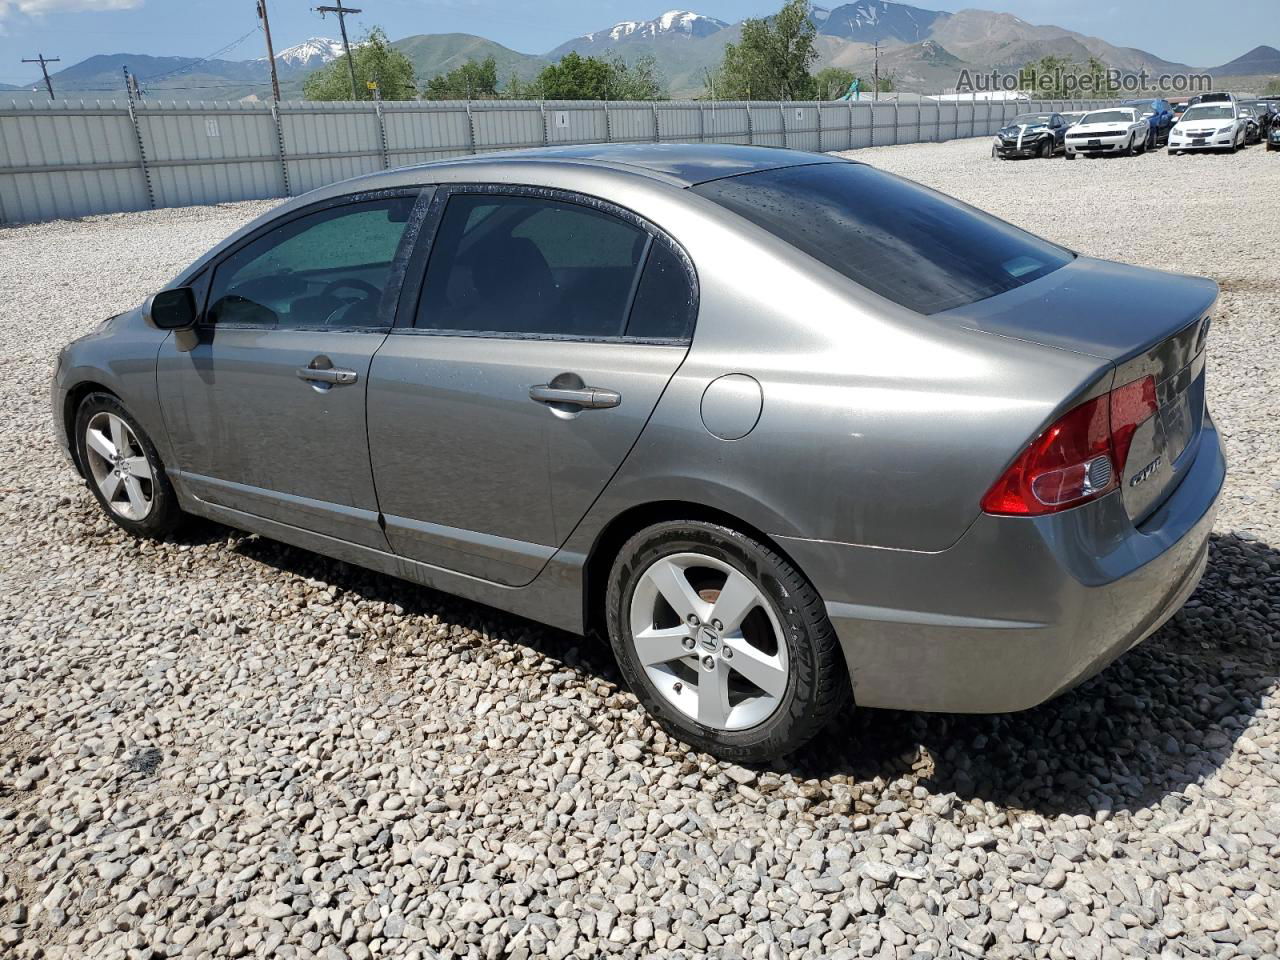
x,y
45,70
342,12
271,54
877,72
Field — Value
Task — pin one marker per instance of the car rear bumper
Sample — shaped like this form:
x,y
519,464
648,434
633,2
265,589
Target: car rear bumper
x,y
1019,610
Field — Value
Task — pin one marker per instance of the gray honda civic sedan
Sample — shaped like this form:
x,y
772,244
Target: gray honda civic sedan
x,y
785,428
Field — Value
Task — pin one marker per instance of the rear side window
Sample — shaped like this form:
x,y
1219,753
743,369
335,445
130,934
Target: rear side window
x,y
523,265
665,301
905,242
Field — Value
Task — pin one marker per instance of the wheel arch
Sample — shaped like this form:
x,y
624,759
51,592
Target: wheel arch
x,y
70,407
621,528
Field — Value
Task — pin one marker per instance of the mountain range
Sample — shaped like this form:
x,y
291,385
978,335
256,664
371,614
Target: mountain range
x,y
922,49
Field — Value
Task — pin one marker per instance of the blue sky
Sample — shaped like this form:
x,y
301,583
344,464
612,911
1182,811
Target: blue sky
x,y
74,29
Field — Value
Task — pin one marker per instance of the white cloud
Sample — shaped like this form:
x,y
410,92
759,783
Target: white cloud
x,y
39,7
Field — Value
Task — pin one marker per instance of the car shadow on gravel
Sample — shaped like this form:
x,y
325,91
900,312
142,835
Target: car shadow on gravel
x,y
1163,717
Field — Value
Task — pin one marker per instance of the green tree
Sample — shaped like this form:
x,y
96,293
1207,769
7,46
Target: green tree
x,y
832,83
1058,78
376,61
576,77
772,60
474,80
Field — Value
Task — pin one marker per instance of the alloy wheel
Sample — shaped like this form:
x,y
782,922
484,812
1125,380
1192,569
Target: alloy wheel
x,y
709,641
119,466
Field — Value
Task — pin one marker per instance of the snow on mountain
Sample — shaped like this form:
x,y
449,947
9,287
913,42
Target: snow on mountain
x,y
679,22
310,52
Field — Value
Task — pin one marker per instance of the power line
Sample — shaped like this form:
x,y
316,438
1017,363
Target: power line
x,y
40,59
195,63
342,12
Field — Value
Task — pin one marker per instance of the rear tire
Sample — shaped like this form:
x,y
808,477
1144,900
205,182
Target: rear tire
x,y
745,687
124,470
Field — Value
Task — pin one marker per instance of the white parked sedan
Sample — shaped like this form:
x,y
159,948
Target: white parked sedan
x,y
1209,126
1117,130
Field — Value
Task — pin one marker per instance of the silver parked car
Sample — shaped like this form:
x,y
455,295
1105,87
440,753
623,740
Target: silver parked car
x,y
784,427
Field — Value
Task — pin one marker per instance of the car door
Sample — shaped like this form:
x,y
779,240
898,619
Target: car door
x,y
266,411
1059,126
520,373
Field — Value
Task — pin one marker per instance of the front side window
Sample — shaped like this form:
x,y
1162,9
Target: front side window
x,y
326,269
524,265
905,242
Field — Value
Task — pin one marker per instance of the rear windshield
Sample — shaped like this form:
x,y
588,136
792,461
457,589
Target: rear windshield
x,y
1032,118
907,243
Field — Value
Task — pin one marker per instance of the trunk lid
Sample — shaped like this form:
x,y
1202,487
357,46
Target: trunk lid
x,y
1144,323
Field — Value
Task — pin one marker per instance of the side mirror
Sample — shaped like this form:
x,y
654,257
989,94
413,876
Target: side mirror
x,y
171,309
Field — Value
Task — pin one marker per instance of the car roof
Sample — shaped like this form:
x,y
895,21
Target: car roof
x,y
686,164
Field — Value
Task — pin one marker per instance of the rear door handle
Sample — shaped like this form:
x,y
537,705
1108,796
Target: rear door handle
x,y
334,375
591,398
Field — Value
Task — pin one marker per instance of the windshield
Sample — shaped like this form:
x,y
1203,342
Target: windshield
x,y
1207,112
1109,116
1145,107
1031,118
907,243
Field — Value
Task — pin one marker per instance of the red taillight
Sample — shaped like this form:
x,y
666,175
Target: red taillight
x,y
1078,458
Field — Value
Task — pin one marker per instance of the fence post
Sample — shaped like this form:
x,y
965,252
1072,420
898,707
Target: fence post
x,y
142,155
871,125
895,121
382,134
546,133
818,112
608,125
702,124
751,133
657,128
471,128
284,163
786,137
850,102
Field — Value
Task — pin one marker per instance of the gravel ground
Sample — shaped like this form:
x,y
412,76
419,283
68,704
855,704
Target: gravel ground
x,y
225,746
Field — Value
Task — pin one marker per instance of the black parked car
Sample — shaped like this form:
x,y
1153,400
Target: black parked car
x,y
1266,112
1273,136
1159,114
1031,135
1252,126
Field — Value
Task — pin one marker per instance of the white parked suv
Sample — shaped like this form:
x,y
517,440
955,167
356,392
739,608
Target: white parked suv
x,y
1218,125
1116,130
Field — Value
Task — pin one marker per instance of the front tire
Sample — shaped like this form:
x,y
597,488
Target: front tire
x,y
725,643
124,470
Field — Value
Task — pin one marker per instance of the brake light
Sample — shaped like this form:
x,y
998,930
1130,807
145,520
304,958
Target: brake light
x,y
1079,458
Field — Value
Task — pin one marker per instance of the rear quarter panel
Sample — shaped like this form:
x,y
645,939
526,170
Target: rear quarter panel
x,y
878,426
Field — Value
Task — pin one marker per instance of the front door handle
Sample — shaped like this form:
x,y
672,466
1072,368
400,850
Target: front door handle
x,y
330,375
590,398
